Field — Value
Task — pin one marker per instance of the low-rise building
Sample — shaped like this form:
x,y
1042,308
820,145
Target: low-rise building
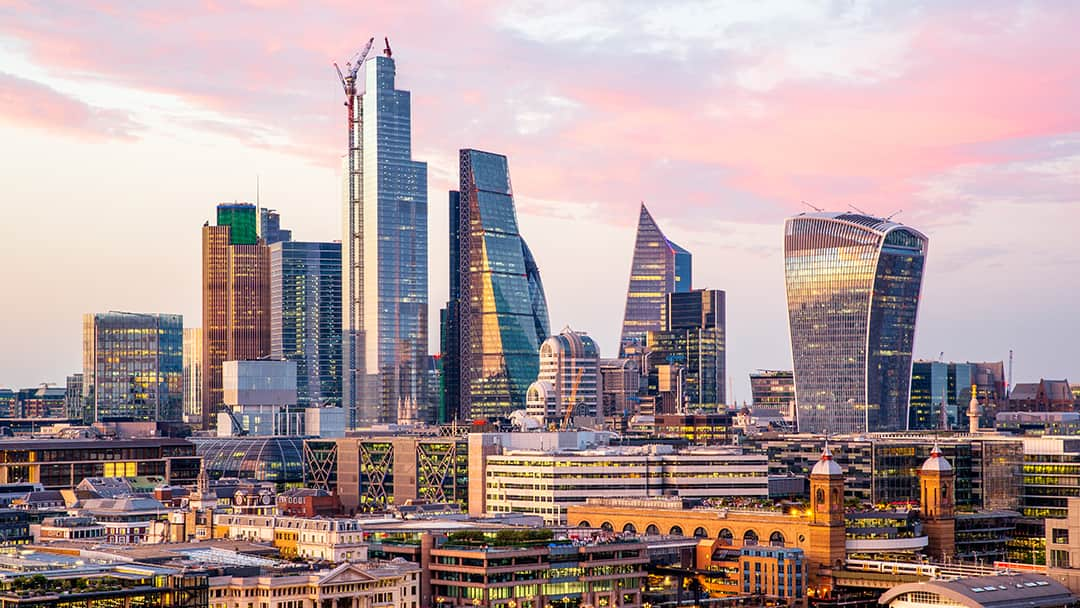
x,y
317,538
393,585
1017,590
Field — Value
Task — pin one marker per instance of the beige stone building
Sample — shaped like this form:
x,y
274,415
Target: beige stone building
x,y
371,585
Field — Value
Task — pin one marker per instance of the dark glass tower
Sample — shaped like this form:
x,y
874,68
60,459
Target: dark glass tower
x,y
384,251
501,309
694,341
305,317
853,285
659,267
940,395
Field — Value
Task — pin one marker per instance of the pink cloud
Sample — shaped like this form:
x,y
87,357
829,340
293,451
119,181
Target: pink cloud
x,y
25,103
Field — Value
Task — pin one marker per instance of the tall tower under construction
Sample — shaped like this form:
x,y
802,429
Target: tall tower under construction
x,y
384,248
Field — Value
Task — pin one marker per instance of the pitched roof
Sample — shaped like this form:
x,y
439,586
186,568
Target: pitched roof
x,y
1023,590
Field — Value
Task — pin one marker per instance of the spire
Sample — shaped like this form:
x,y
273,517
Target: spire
x,y
826,465
937,461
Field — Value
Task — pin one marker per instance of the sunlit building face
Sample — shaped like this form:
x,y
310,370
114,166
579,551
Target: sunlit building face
x,y
853,286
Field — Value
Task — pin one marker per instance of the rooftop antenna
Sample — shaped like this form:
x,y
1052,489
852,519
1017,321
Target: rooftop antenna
x,y
387,51
818,209
894,214
859,210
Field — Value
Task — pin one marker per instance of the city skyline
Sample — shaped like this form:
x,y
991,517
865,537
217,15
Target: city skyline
x,y
986,157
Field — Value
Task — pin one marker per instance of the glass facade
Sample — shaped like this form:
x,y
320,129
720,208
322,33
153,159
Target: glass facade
x,y
305,317
276,459
236,300
659,267
934,384
853,285
133,366
774,389
502,311
693,339
384,252
242,219
193,354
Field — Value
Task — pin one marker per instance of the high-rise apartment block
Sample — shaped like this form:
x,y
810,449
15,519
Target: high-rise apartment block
x,y
133,366
305,317
691,349
568,380
193,360
853,284
501,312
236,297
659,267
384,249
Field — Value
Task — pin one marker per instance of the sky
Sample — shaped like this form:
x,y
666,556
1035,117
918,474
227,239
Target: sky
x,y
124,124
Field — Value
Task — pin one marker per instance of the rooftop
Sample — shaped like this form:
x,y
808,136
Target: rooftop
x,y
994,591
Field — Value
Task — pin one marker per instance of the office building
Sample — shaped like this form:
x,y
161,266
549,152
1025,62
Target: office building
x,y
1038,423
236,298
133,366
544,480
305,317
659,267
620,382
37,403
501,316
569,375
853,285
692,348
774,390
270,227
469,569
60,464
274,459
349,584
259,399
73,397
193,360
382,470
940,395
54,580
384,249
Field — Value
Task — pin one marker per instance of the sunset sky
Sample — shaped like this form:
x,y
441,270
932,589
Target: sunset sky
x,y
123,127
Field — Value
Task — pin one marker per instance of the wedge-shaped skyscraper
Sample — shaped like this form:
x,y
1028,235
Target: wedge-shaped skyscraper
x,y
660,267
853,285
497,316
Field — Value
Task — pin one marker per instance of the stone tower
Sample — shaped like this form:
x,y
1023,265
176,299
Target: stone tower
x,y
827,525
974,412
937,491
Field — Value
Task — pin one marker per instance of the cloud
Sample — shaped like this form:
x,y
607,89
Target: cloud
x,y
25,103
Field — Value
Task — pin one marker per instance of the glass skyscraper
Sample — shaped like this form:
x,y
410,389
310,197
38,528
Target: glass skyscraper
x,y
853,285
384,251
236,298
501,312
305,317
659,267
940,394
694,341
133,366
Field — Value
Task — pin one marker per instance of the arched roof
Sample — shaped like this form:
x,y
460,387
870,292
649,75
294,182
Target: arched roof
x,y
998,591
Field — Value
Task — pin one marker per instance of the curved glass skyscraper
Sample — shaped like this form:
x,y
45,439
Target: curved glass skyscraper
x,y
853,285
659,267
501,309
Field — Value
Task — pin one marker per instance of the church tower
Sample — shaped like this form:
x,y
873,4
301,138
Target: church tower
x,y
937,491
827,525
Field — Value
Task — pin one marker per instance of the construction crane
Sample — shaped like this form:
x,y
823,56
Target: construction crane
x,y
352,67
573,400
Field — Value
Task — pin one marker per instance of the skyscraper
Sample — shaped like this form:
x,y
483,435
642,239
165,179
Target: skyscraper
x,y
193,360
305,317
501,308
384,248
694,342
853,285
659,267
270,227
236,297
940,395
133,366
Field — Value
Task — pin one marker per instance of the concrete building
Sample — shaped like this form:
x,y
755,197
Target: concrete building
x,y
542,473
260,397
620,382
1063,546
350,585
568,380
